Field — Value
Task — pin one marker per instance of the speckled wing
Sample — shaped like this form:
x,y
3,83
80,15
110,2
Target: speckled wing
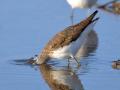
x,y
70,34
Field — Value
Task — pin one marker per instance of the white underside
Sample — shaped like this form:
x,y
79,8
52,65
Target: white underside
x,y
81,3
70,50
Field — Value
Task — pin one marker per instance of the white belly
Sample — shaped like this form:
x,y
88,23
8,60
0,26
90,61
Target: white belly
x,y
63,52
81,3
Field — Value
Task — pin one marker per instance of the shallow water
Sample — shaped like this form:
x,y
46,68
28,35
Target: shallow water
x,y
27,25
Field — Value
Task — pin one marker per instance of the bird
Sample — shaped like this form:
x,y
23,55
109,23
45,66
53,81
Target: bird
x,y
80,4
66,43
60,79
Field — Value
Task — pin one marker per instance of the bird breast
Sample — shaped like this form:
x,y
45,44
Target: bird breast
x,y
62,52
68,50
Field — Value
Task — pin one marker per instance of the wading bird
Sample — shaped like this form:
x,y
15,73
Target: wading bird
x,y
66,43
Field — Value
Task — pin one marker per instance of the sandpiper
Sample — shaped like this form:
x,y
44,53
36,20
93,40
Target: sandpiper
x,y
80,4
66,43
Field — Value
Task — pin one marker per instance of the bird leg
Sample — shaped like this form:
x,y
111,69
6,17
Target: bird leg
x,y
72,16
68,62
76,60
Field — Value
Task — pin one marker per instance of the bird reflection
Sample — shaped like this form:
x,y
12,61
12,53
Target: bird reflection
x,y
60,79
89,46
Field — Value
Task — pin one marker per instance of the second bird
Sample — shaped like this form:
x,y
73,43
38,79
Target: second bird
x,y
80,4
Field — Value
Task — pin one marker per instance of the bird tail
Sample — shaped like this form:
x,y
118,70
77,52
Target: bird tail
x,y
85,23
90,18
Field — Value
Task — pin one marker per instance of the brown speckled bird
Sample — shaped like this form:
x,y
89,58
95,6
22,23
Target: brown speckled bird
x,y
66,43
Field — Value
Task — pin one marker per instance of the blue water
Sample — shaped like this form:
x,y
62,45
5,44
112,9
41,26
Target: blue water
x,y
27,25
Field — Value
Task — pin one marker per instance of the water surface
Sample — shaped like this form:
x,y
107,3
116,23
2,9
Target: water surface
x,y
27,25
